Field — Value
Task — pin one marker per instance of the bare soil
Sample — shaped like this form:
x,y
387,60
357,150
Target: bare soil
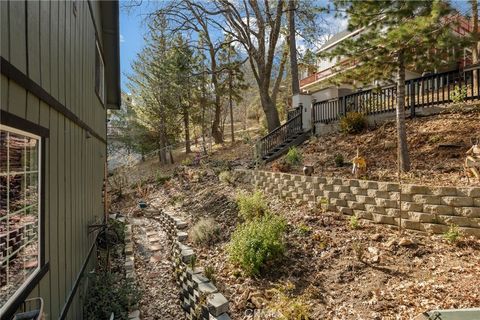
x,y
437,146
330,269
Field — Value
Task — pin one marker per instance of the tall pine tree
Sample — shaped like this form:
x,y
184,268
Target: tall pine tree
x,y
397,34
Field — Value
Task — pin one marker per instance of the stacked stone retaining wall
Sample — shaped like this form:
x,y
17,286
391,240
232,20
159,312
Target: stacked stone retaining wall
x,y
423,208
199,297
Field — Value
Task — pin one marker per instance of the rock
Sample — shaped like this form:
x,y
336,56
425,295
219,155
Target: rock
x,y
258,299
391,243
376,237
405,242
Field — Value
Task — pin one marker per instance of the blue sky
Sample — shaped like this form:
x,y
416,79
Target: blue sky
x,y
133,29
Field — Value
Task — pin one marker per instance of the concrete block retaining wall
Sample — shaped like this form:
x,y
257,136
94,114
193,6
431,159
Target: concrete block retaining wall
x,y
199,297
428,209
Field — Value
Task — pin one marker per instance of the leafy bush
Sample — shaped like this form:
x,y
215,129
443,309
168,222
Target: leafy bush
x,y
353,122
257,242
453,234
293,157
339,160
251,205
226,177
205,232
107,293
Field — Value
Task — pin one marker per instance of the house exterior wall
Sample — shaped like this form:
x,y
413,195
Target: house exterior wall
x,y
53,44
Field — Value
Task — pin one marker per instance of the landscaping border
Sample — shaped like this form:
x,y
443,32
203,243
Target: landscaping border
x,y
423,208
199,298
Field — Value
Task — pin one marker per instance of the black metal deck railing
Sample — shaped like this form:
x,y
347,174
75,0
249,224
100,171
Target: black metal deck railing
x,y
427,91
281,134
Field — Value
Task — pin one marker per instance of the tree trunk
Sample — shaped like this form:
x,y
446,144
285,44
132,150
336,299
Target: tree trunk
x,y
186,124
231,105
476,44
402,149
271,113
293,47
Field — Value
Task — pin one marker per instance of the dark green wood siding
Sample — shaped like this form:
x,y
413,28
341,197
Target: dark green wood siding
x,y
56,49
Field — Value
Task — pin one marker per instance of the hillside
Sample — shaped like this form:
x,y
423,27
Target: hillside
x,y
437,150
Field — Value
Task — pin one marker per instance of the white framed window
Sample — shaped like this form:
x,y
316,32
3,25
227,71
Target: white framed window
x,y
19,211
99,74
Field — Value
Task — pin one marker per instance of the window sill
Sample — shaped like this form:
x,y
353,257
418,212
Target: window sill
x,y
9,312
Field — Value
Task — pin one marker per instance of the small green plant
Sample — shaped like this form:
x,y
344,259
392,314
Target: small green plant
x,y
256,243
358,251
288,307
453,234
303,230
251,205
293,157
226,177
205,232
339,160
109,293
353,122
458,94
354,224
187,162
160,178
210,274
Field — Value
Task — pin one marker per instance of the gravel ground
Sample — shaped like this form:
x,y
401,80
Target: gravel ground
x,y
154,272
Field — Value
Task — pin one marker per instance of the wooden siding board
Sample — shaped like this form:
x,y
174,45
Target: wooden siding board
x,y
53,216
33,108
4,30
68,208
33,40
45,45
61,52
17,99
18,49
61,210
4,92
67,61
54,48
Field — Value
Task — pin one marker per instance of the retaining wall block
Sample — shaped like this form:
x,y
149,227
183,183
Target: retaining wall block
x,y
473,192
476,202
388,186
347,196
459,221
471,212
413,225
338,202
392,212
438,209
422,217
365,199
361,214
356,205
340,188
366,184
383,219
415,189
470,231
458,201
386,203
444,191
412,206
345,210
358,191
326,187
374,208
217,304
331,194
427,199
433,228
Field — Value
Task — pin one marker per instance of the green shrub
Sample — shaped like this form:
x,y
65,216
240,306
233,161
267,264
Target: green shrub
x,y
339,160
353,122
257,242
205,232
226,177
293,157
453,234
107,293
251,205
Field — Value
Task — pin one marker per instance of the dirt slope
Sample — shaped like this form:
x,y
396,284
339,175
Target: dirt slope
x,y
437,150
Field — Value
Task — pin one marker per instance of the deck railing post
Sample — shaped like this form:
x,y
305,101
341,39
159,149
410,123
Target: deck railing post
x,y
412,98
